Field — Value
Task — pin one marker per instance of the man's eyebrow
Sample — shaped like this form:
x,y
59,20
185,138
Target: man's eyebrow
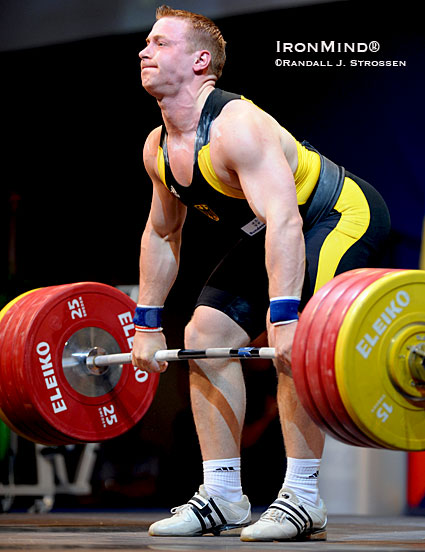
x,y
155,37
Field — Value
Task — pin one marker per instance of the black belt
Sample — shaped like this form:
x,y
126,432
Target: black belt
x,y
327,191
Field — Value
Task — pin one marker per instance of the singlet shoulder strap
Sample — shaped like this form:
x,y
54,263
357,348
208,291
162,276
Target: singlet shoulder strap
x,y
212,108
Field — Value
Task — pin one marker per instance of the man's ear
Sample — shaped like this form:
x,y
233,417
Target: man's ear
x,y
201,60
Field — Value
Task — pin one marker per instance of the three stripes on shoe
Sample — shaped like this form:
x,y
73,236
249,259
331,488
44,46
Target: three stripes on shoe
x,y
297,515
208,517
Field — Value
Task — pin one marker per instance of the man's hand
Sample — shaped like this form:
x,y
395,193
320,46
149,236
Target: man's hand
x,y
145,345
282,338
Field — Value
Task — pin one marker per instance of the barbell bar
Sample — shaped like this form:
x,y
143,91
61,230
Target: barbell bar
x,y
95,359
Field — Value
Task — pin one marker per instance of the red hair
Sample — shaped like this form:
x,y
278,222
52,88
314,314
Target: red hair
x,y
204,35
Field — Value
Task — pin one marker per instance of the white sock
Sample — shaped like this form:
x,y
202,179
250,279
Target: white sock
x,y
223,478
302,477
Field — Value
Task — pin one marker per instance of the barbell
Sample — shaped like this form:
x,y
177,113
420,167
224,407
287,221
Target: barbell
x,y
358,361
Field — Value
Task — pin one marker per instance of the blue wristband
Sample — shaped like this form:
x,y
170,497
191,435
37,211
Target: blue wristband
x,y
284,310
148,319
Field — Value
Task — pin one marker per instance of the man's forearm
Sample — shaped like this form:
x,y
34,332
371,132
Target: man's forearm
x,y
285,259
159,264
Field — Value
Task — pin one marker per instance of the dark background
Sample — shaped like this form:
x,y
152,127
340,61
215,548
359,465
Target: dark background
x,y
75,196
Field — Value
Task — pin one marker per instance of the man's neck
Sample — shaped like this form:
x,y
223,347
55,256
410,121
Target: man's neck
x,y
181,113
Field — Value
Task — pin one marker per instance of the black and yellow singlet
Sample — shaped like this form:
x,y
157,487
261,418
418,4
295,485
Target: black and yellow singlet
x,y
227,205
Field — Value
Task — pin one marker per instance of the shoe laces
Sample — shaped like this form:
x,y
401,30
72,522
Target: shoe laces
x,y
180,509
274,514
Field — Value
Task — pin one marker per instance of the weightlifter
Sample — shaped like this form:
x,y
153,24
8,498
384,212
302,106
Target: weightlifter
x,y
294,219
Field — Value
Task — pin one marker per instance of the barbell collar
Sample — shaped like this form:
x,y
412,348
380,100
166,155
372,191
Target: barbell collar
x,y
418,350
416,362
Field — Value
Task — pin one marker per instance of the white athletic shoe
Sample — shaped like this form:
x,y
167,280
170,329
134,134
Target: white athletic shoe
x,y
203,514
288,519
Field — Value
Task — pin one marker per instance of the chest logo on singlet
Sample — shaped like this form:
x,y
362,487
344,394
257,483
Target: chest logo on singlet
x,y
174,191
207,211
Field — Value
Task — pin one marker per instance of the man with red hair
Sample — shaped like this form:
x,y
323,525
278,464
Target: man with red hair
x,y
294,219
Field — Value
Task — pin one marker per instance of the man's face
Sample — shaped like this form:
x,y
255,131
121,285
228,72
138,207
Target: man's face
x,y
166,63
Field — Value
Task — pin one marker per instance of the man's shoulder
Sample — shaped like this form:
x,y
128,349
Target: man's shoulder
x,y
241,117
235,115
241,104
243,132
150,150
152,142
154,137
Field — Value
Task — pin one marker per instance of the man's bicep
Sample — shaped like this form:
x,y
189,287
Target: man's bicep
x,y
167,213
258,160
268,184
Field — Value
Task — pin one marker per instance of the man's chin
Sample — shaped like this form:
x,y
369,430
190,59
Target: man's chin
x,y
150,88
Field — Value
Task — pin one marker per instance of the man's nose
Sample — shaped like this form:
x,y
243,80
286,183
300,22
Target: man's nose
x,y
144,53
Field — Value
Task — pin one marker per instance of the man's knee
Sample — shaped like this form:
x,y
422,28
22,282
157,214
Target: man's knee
x,y
212,328
203,329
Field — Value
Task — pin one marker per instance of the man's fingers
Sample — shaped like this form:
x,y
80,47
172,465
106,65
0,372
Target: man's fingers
x,y
149,364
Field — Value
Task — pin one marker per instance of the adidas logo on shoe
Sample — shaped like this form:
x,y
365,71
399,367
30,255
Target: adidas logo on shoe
x,y
203,514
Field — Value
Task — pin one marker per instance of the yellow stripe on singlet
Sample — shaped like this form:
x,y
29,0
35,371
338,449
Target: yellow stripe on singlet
x,y
161,165
208,172
354,221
